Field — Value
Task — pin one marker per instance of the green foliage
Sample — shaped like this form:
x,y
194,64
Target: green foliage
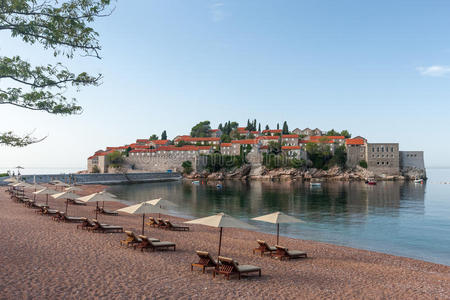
x,y
187,167
297,163
115,159
95,169
332,132
267,127
228,127
363,164
259,127
225,138
339,158
164,135
319,154
278,126
153,137
183,143
217,162
346,134
127,152
4,174
285,128
201,129
62,26
251,126
274,147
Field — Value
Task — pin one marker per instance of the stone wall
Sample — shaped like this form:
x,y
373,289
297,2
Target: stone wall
x,y
383,158
412,159
355,154
164,162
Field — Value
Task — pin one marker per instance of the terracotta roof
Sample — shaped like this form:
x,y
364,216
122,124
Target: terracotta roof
x,y
264,147
198,139
290,147
286,136
330,137
140,147
354,142
160,142
255,132
316,141
225,145
214,130
142,150
142,141
245,142
272,131
267,137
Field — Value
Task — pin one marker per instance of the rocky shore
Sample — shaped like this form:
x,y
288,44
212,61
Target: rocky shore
x,y
249,172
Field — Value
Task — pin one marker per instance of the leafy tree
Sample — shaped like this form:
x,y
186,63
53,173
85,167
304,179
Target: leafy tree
x,y
127,152
115,159
259,127
332,132
267,127
346,134
274,147
187,167
164,135
278,126
363,164
61,26
297,163
95,169
154,137
285,128
201,129
319,154
225,138
183,143
339,158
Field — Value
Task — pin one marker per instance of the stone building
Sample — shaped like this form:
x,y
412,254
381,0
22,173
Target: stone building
x,y
226,149
289,139
383,158
356,151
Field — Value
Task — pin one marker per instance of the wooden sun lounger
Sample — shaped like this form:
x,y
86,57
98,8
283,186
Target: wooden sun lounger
x,y
205,261
108,212
173,227
285,253
264,248
61,217
227,266
131,240
87,224
152,222
162,224
50,212
153,244
104,228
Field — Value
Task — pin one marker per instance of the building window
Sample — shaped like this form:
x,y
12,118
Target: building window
x,y
378,149
392,149
387,163
378,163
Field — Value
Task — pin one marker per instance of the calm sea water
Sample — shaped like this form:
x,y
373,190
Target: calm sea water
x,y
405,219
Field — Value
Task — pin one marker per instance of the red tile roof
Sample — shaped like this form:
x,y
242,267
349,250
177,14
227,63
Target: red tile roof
x,y
214,130
255,132
287,136
290,147
316,141
225,145
142,141
198,139
160,142
330,137
245,142
272,131
354,142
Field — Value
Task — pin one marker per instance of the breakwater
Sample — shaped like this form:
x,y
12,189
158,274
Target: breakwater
x,y
99,178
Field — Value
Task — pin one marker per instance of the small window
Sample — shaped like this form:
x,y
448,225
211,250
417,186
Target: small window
x,y
378,163
392,149
378,149
387,162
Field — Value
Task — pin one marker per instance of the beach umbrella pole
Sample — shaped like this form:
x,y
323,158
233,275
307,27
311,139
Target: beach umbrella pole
x,y
67,205
143,220
220,240
46,202
96,211
278,233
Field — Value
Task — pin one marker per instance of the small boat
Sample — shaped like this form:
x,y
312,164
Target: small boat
x,y
371,181
419,181
196,182
219,186
316,184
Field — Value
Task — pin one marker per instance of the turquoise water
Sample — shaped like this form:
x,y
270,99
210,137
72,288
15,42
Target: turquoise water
x,y
405,219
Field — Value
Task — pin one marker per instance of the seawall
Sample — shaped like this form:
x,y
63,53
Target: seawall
x,y
100,178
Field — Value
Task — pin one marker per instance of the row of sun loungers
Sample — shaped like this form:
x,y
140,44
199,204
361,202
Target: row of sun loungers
x,y
165,224
96,226
103,211
143,242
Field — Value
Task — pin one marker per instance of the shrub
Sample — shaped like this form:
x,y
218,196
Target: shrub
x,y
95,169
187,167
363,164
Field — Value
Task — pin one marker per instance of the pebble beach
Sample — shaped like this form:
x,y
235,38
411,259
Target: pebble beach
x,y
44,259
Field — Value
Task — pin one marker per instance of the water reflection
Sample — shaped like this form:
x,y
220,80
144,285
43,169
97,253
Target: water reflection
x,y
389,217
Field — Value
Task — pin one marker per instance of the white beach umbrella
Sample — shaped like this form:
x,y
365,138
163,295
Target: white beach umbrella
x,y
143,208
161,203
73,189
221,220
100,196
278,218
11,179
67,196
46,191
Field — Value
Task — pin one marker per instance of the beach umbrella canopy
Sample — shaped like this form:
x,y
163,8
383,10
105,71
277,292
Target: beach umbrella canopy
x,y
73,188
100,196
143,208
35,186
65,195
45,191
21,184
221,220
161,203
278,218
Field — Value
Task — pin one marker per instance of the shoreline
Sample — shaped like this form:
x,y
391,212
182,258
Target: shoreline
x,y
344,271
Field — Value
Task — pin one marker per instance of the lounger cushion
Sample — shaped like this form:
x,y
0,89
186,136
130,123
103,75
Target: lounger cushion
x,y
163,244
247,268
295,253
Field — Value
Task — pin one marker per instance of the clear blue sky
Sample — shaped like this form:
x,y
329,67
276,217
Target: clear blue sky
x,y
380,69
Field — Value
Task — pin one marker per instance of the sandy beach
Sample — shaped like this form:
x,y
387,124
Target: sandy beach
x,y
44,259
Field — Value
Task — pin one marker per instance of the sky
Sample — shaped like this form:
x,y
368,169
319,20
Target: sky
x,y
380,69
